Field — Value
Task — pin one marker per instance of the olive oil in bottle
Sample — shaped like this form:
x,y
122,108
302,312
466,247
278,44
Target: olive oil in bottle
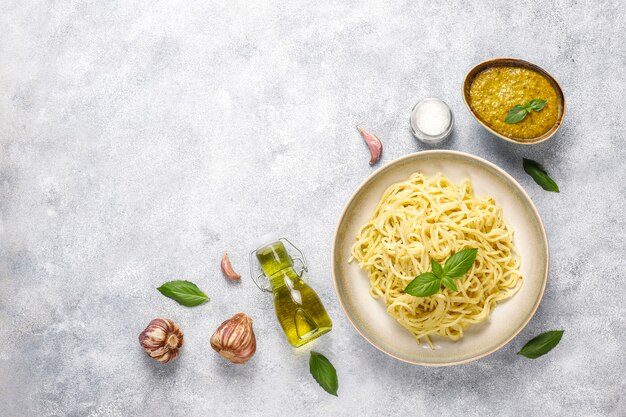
x,y
299,310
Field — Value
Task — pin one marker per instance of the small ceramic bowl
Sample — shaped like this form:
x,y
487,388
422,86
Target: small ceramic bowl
x,y
513,62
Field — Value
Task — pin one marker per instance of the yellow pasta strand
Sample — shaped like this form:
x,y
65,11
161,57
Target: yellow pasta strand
x,y
431,218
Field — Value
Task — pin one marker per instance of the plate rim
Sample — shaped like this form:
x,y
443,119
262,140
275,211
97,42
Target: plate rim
x,y
463,155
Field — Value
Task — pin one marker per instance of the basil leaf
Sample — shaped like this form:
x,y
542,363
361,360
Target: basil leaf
x,y
541,344
184,292
324,373
449,283
537,104
424,285
516,114
459,263
437,269
539,174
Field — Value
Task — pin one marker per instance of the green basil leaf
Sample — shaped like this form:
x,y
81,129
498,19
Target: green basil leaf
x,y
516,114
424,285
437,269
539,174
449,283
324,372
459,263
184,292
541,344
537,104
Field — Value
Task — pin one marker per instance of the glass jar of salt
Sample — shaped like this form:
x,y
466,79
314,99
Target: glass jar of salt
x,y
431,121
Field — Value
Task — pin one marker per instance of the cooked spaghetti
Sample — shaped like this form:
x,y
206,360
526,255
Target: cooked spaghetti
x,y
431,218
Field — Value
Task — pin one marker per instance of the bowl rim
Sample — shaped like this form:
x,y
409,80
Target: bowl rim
x,y
476,69
388,166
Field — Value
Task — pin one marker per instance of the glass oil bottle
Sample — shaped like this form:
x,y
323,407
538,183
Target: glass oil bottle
x,y
299,310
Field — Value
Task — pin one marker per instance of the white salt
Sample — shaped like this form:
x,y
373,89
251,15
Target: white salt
x,y
431,120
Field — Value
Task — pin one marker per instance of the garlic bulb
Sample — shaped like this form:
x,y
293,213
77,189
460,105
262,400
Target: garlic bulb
x,y
161,340
235,339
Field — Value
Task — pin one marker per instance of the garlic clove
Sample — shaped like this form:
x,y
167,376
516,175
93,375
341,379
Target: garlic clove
x,y
161,340
373,143
228,270
234,339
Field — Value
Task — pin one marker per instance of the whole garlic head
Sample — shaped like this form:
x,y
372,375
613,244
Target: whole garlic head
x,y
161,340
235,339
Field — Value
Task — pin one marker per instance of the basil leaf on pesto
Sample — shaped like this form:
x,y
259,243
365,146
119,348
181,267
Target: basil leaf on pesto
x,y
516,114
537,104
520,111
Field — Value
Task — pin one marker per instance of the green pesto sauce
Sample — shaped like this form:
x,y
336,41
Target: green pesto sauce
x,y
496,90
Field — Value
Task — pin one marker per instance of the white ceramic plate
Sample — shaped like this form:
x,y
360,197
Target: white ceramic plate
x,y
369,315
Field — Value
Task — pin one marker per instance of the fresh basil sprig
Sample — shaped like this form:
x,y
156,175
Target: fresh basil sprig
x,y
324,372
520,111
184,292
516,114
539,174
541,344
424,285
456,266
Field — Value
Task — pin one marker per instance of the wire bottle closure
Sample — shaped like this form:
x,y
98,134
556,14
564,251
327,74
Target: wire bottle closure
x,y
267,286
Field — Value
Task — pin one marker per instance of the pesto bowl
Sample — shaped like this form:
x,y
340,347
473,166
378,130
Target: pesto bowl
x,y
514,62
369,316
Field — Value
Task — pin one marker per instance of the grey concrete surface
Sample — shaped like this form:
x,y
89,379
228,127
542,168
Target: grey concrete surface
x,y
139,140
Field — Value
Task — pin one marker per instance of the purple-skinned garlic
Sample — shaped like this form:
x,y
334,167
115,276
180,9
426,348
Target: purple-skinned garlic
x,y
234,339
373,143
161,340
228,270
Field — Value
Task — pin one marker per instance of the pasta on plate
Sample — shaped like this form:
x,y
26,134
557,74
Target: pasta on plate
x,y
426,218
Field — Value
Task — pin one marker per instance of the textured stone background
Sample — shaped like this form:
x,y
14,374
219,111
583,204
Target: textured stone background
x,y
139,140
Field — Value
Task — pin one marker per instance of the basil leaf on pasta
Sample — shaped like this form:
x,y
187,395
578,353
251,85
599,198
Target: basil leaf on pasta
x,y
429,283
459,263
449,283
437,269
424,285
